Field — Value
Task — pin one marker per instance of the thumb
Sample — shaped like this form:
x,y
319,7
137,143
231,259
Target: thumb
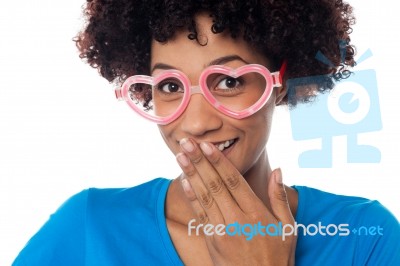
x,y
278,198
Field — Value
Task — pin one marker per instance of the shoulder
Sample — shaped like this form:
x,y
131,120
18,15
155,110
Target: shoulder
x,y
367,228
313,203
112,203
131,195
63,239
91,199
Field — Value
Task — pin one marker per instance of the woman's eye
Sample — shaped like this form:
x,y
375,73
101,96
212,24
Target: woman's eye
x,y
170,87
228,83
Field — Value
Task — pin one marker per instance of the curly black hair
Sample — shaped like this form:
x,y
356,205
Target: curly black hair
x,y
118,33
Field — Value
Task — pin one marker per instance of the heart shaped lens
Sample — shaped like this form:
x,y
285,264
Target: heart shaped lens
x,y
239,92
161,99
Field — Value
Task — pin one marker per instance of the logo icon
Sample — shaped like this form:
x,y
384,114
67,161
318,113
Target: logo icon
x,y
351,108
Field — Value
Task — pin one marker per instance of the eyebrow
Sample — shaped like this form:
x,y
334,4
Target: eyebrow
x,y
218,61
225,59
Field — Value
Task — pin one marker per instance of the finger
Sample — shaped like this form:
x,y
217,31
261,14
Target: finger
x,y
278,198
235,183
198,194
211,179
196,206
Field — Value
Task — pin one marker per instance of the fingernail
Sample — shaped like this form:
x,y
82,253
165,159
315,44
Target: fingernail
x,y
186,186
278,175
182,159
187,145
206,148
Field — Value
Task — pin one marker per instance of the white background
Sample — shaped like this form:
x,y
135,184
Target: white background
x,y
61,129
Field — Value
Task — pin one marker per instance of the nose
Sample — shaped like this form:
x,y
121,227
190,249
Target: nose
x,y
200,117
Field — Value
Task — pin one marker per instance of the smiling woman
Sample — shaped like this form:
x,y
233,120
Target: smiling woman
x,y
210,74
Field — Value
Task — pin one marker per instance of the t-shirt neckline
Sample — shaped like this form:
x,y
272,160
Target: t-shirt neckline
x,y
162,224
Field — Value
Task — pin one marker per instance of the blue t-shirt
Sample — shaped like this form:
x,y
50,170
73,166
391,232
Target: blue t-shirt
x,y
128,227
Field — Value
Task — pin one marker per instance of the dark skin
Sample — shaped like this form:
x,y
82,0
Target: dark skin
x,y
193,250
236,185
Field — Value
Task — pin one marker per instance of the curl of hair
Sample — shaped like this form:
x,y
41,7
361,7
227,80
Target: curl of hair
x,y
116,38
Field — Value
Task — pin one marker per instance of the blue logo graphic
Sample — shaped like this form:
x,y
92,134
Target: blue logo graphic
x,y
352,107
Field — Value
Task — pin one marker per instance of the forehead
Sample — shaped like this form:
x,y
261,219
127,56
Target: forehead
x,y
192,56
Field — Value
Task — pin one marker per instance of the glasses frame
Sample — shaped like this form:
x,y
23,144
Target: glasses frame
x,y
273,80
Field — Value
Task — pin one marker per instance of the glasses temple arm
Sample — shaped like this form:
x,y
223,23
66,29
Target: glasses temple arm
x,y
278,76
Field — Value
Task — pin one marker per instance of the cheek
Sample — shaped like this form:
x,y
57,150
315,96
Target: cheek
x,y
259,132
263,118
259,128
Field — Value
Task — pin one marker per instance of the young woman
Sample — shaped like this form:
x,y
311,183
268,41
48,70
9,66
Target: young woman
x,y
210,74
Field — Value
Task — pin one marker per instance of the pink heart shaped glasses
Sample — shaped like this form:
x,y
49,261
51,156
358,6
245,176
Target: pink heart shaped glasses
x,y
237,93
